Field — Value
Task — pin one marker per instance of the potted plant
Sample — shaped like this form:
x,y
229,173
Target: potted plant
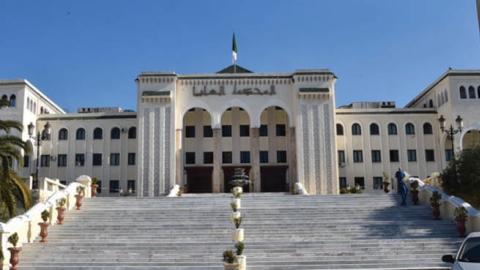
x,y
79,196
241,259
386,183
61,210
14,251
461,216
44,226
435,203
237,221
237,191
414,190
94,186
229,260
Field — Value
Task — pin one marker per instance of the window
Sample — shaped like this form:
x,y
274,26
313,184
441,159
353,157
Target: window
x,y
132,133
207,157
281,156
227,157
341,157
244,130
471,92
189,131
280,130
356,129
244,157
45,161
13,101
478,92
430,103
448,154
463,92
394,156
80,134
343,182
427,129
339,130
409,129
131,158
412,155
114,159
357,156
376,156
62,160
392,129
97,134
63,134
377,182
226,131
374,129
26,161
115,133
190,158
446,95
263,131
263,156
79,160
97,159
429,155
131,186
114,186
207,131
360,182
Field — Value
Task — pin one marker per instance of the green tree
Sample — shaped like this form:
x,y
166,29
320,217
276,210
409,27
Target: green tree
x,y
13,189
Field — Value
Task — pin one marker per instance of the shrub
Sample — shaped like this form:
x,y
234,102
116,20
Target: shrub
x,y
13,239
228,256
61,202
45,215
240,246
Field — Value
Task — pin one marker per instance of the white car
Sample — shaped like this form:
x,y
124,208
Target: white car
x,y
468,255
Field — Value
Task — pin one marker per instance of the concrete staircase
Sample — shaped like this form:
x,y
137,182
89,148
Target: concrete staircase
x,y
282,232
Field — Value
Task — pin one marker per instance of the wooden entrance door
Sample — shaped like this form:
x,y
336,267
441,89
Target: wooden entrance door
x,y
274,178
199,179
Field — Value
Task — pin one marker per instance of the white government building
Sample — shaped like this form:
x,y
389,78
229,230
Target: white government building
x,y
282,128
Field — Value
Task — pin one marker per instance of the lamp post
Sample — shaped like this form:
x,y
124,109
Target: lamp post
x,y
451,133
41,136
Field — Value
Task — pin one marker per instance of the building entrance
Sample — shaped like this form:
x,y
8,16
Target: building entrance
x,y
274,178
199,179
228,174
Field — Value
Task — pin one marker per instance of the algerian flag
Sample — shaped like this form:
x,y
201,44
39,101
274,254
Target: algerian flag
x,y
234,49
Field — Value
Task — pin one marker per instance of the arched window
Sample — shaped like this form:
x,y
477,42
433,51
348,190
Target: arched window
x,y
392,129
356,129
471,92
13,101
339,130
430,103
463,92
409,129
427,128
374,129
97,134
63,134
132,133
80,134
115,133
41,110
446,95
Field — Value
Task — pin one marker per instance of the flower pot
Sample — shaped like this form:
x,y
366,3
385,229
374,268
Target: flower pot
x,y
43,231
60,215
236,215
78,203
461,227
415,197
237,203
231,266
237,191
94,190
238,235
242,262
436,212
14,257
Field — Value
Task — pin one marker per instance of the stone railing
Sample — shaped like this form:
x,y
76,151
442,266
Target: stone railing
x,y
448,204
26,225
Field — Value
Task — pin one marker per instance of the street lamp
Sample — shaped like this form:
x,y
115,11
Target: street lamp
x,y
41,136
451,131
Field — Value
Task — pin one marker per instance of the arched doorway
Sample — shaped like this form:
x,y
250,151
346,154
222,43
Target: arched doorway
x,y
471,139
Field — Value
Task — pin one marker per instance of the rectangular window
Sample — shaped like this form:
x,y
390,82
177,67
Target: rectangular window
x,y
263,156
376,156
360,181
226,131
377,182
244,157
448,154
244,130
263,132
190,158
394,156
207,131
26,161
343,182
97,159
79,160
281,156
114,159
429,155
357,156
280,130
62,160
226,157
412,155
207,157
45,161
114,186
131,158
131,186
189,131
341,157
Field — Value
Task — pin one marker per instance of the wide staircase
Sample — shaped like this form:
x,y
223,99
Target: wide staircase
x,y
281,232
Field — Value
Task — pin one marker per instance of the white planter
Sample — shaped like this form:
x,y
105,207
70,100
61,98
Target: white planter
x,y
236,215
237,203
242,262
238,235
231,266
237,190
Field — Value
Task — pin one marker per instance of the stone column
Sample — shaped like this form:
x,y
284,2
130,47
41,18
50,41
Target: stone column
x,y
255,159
291,158
217,160
179,157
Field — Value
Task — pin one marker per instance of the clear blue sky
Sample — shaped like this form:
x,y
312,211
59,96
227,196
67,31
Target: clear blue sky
x,y
88,53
